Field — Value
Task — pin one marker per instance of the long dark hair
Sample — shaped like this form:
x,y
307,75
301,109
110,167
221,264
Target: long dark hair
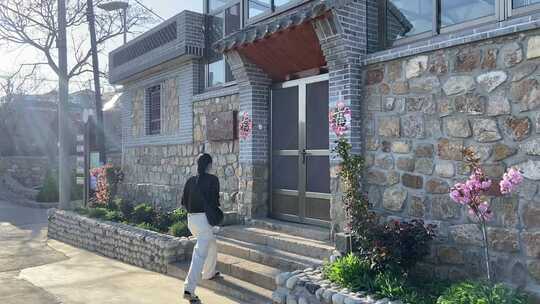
x,y
203,162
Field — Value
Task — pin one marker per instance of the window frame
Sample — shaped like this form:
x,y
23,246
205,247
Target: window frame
x,y
503,12
520,11
147,110
273,10
221,9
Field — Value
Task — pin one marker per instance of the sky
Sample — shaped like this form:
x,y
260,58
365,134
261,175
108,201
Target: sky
x,y
11,58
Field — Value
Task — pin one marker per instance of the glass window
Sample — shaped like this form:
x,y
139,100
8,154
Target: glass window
x,y
224,23
216,73
232,19
279,3
153,110
522,3
258,7
406,18
215,4
459,11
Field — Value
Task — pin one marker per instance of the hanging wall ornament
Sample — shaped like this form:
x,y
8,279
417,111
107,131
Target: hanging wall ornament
x,y
245,126
340,119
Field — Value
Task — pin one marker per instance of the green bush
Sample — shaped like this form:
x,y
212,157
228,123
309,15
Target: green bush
x,y
162,220
143,213
125,207
471,292
81,210
179,215
179,229
397,245
357,274
98,213
351,272
49,191
114,216
148,226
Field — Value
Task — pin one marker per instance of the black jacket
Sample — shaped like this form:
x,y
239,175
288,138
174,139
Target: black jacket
x,y
208,186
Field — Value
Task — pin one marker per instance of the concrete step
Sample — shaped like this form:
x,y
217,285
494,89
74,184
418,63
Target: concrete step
x,y
285,242
248,271
226,285
265,255
301,230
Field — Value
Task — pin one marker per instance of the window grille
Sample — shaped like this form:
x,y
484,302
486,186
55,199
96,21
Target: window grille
x,y
145,45
153,110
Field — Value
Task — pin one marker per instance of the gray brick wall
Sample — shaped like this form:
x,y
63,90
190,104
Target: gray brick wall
x,y
344,50
254,90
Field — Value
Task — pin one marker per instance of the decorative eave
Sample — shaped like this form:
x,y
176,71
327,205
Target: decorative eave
x,y
257,32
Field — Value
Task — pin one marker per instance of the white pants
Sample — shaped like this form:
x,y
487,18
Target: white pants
x,y
203,261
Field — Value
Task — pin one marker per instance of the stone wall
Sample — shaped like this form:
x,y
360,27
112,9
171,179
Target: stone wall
x,y
27,170
422,111
170,113
157,173
143,248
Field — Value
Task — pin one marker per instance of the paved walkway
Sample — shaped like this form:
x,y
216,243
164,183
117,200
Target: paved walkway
x,y
34,270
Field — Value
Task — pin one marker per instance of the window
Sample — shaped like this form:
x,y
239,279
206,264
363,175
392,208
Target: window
x,y
279,3
460,11
404,20
258,7
221,23
216,4
522,3
153,110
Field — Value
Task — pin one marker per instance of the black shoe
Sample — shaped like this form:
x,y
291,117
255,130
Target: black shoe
x,y
191,297
216,276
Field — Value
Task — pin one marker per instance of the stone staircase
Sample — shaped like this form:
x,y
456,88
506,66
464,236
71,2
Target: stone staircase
x,y
251,255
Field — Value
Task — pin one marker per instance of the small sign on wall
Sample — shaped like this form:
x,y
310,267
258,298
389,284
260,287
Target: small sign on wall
x,y
221,126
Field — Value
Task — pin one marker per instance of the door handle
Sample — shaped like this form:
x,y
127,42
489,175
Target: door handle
x,y
304,155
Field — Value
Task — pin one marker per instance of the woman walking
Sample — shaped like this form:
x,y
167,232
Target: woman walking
x,y
201,193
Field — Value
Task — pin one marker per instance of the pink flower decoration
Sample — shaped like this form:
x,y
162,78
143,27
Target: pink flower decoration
x,y
245,126
340,119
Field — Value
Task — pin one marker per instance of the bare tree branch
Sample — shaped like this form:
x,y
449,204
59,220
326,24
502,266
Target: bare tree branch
x,y
33,23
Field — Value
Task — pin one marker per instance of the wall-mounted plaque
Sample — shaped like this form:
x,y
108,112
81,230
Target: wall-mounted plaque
x,y
221,126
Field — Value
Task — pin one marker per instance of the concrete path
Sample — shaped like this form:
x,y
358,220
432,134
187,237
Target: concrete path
x,y
34,270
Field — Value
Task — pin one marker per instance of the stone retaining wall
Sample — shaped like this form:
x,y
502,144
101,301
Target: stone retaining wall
x,y
308,287
28,170
143,248
422,111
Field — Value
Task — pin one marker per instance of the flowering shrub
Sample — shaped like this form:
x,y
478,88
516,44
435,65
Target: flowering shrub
x,y
472,192
510,180
108,178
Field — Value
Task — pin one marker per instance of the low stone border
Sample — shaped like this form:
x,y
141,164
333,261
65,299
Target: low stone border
x,y
309,287
147,249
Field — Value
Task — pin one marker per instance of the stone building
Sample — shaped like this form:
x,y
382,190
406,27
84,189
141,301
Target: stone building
x,y
252,82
